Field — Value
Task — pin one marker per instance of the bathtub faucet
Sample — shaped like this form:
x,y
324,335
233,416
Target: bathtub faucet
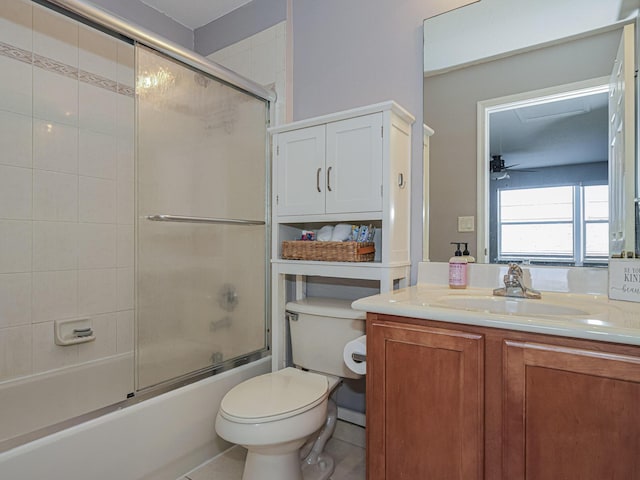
x,y
514,285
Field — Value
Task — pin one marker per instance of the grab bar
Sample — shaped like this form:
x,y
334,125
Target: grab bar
x,y
224,221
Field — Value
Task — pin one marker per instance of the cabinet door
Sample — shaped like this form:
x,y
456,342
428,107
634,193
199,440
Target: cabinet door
x,y
424,403
570,413
354,165
300,171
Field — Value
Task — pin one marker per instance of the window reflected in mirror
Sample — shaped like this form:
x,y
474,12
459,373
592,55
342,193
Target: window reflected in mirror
x,y
566,224
547,178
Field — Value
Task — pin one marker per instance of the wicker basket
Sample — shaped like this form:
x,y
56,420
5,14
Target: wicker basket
x,y
328,251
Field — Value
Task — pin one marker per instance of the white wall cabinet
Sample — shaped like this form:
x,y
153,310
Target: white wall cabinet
x,y
332,168
299,171
348,167
354,164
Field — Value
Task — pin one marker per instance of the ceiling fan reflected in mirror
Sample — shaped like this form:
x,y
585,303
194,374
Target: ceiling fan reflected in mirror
x,y
499,171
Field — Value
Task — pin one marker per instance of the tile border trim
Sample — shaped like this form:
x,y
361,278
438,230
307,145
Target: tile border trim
x,y
50,65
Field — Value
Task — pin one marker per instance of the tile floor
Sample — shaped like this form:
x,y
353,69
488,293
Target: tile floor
x,y
349,458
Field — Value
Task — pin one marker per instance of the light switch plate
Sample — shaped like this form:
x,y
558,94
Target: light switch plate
x,y
466,224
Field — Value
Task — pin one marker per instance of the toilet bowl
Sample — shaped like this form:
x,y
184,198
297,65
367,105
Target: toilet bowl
x,y
274,415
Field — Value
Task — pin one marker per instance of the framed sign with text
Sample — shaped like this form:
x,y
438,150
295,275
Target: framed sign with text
x,y
624,279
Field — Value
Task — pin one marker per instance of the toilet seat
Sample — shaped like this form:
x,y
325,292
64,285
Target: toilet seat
x,y
274,396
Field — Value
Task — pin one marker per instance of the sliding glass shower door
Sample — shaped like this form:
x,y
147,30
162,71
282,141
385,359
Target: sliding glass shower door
x,y
201,233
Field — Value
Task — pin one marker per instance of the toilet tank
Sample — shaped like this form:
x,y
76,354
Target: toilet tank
x,y
320,328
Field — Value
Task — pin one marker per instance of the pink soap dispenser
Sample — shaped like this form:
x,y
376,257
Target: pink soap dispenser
x,y
458,265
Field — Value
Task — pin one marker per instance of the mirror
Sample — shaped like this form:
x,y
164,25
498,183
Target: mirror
x,y
493,50
547,192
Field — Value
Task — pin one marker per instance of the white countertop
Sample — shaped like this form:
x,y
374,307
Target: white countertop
x,y
598,318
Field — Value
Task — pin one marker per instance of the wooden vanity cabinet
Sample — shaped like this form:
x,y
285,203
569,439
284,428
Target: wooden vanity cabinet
x,y
448,401
570,413
424,403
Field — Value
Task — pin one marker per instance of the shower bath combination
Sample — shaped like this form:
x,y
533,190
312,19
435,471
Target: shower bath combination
x,y
136,209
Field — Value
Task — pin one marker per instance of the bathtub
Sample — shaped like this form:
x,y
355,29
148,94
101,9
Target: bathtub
x,y
160,438
33,402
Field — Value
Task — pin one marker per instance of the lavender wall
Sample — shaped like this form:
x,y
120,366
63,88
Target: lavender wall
x,y
149,18
349,54
239,24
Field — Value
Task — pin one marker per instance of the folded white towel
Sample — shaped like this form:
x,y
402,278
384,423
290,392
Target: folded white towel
x,y
341,232
325,233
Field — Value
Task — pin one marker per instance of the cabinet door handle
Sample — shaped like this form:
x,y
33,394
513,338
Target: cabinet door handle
x,y
401,182
329,179
318,179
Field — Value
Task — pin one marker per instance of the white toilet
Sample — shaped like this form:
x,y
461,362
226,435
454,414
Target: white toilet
x,y
274,415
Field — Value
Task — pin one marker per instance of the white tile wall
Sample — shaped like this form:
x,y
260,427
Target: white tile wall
x,y
66,189
46,354
97,245
125,284
97,200
125,246
55,246
98,52
16,85
97,291
15,299
262,58
15,351
55,295
15,246
105,328
16,24
55,146
97,109
126,65
125,331
15,192
55,36
15,139
55,97
55,196
97,155
125,213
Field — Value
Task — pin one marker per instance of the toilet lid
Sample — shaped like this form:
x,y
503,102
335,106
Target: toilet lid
x,y
274,394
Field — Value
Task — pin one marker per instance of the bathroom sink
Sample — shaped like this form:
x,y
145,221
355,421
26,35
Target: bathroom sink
x,y
507,306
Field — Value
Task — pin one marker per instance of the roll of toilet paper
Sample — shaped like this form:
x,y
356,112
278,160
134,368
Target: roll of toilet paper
x,y
357,346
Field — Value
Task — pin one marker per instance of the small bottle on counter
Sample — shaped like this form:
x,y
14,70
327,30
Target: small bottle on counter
x,y
467,255
457,269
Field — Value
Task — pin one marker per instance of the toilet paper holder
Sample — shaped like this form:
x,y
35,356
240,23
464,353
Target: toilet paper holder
x,y
358,357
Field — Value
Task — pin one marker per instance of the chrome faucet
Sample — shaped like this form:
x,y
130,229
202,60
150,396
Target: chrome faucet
x,y
514,285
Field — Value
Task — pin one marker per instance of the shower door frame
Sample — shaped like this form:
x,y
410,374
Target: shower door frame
x,y
142,36
96,17
193,376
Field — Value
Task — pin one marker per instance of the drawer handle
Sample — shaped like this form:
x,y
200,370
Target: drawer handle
x,y
318,180
329,179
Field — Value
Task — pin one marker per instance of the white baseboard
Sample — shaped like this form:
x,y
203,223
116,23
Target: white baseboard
x,y
351,416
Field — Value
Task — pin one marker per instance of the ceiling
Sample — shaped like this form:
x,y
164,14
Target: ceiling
x,y
496,28
195,13
570,131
